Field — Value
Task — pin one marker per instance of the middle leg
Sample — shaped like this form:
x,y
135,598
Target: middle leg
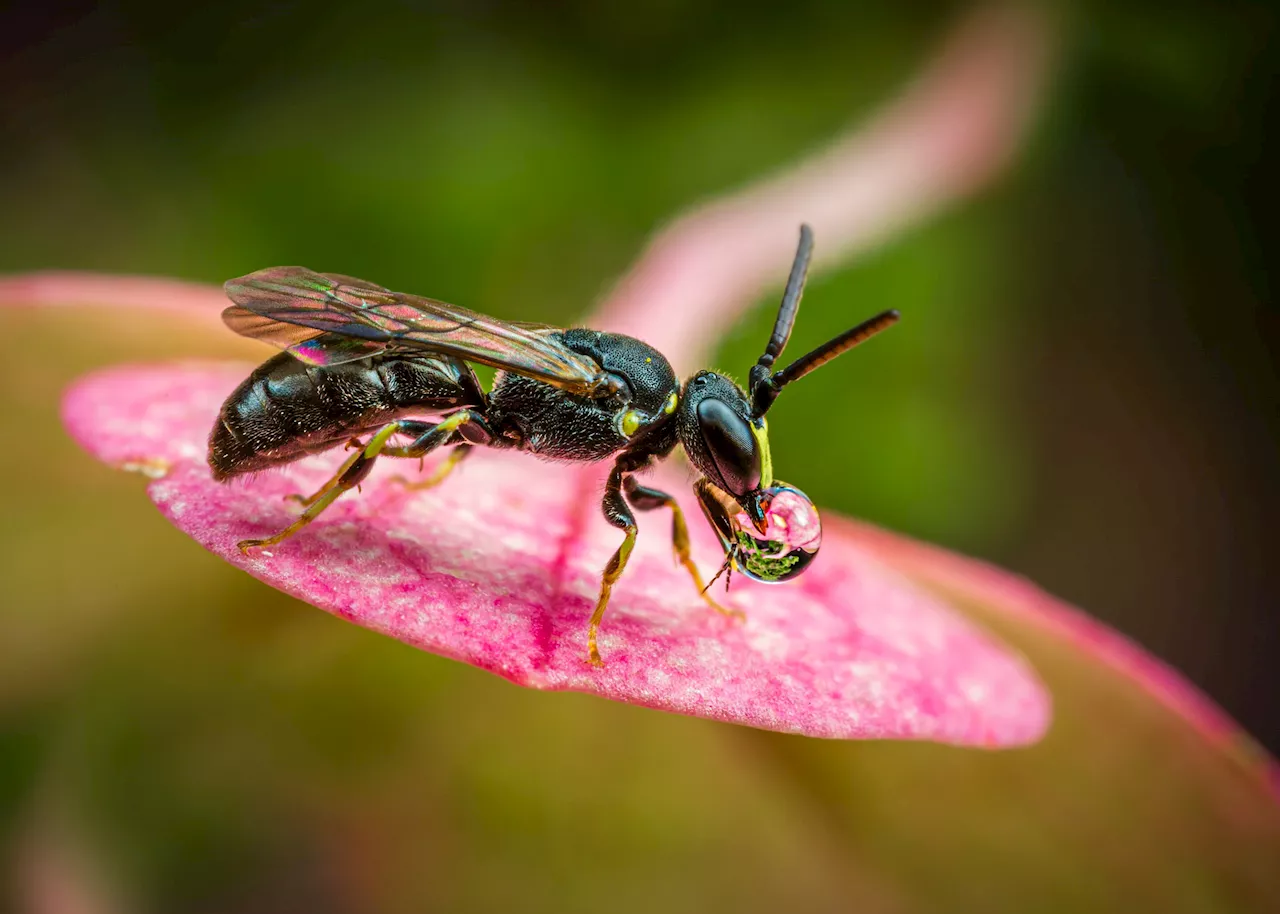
x,y
617,513
457,454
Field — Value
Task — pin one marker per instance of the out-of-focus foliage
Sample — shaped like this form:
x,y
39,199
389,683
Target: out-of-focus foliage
x,y
504,166
1078,389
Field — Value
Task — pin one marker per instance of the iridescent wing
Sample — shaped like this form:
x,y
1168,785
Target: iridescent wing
x,y
325,319
314,347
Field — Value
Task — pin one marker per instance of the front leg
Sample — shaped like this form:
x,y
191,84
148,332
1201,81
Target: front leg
x,y
644,498
617,513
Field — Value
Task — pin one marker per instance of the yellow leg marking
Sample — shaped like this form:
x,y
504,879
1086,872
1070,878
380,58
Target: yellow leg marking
x,y
307,516
449,423
308,500
379,441
442,429
329,492
680,542
612,572
437,476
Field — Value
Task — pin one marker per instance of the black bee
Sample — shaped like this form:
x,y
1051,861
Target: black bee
x,y
360,360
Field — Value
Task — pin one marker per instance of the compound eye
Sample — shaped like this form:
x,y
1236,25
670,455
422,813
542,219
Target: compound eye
x,y
792,537
731,445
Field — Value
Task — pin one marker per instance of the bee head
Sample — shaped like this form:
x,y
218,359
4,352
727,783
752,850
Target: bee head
x,y
725,442
723,429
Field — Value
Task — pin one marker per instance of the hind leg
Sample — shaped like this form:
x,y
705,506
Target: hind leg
x,y
428,437
308,500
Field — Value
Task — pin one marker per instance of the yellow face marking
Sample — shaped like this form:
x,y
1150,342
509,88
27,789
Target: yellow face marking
x,y
648,359
672,401
631,421
760,429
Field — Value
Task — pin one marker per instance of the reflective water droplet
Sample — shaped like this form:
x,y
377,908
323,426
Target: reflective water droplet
x,y
792,537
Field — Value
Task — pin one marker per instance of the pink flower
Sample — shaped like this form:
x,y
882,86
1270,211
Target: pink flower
x,y
500,566
1142,795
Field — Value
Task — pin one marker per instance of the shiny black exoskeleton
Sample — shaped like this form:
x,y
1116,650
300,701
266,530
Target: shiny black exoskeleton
x,y
287,409
361,361
551,423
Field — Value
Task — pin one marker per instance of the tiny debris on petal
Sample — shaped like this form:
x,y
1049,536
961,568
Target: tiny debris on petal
x,y
500,566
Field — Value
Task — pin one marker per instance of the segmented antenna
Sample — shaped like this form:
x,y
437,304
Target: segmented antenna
x,y
761,372
841,344
765,384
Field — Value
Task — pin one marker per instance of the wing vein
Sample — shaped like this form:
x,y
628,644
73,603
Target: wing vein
x,y
327,318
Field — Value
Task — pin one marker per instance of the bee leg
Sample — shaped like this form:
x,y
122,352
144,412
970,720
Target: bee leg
x,y
352,472
462,430
617,513
643,498
456,456
308,500
466,426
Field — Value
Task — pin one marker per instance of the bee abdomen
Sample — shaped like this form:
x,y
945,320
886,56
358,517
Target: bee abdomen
x,y
286,410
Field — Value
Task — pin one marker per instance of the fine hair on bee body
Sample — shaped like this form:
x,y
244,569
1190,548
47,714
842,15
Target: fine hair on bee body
x,y
388,374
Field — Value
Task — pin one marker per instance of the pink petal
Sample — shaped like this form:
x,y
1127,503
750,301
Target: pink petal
x,y
499,567
886,662
1017,597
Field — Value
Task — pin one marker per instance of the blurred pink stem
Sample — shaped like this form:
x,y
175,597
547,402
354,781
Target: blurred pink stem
x,y
58,288
953,129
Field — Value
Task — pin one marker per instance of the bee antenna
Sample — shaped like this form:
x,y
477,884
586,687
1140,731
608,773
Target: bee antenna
x,y
832,348
761,378
765,384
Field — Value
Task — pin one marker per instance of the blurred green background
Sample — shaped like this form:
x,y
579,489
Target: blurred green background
x,y
1084,392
